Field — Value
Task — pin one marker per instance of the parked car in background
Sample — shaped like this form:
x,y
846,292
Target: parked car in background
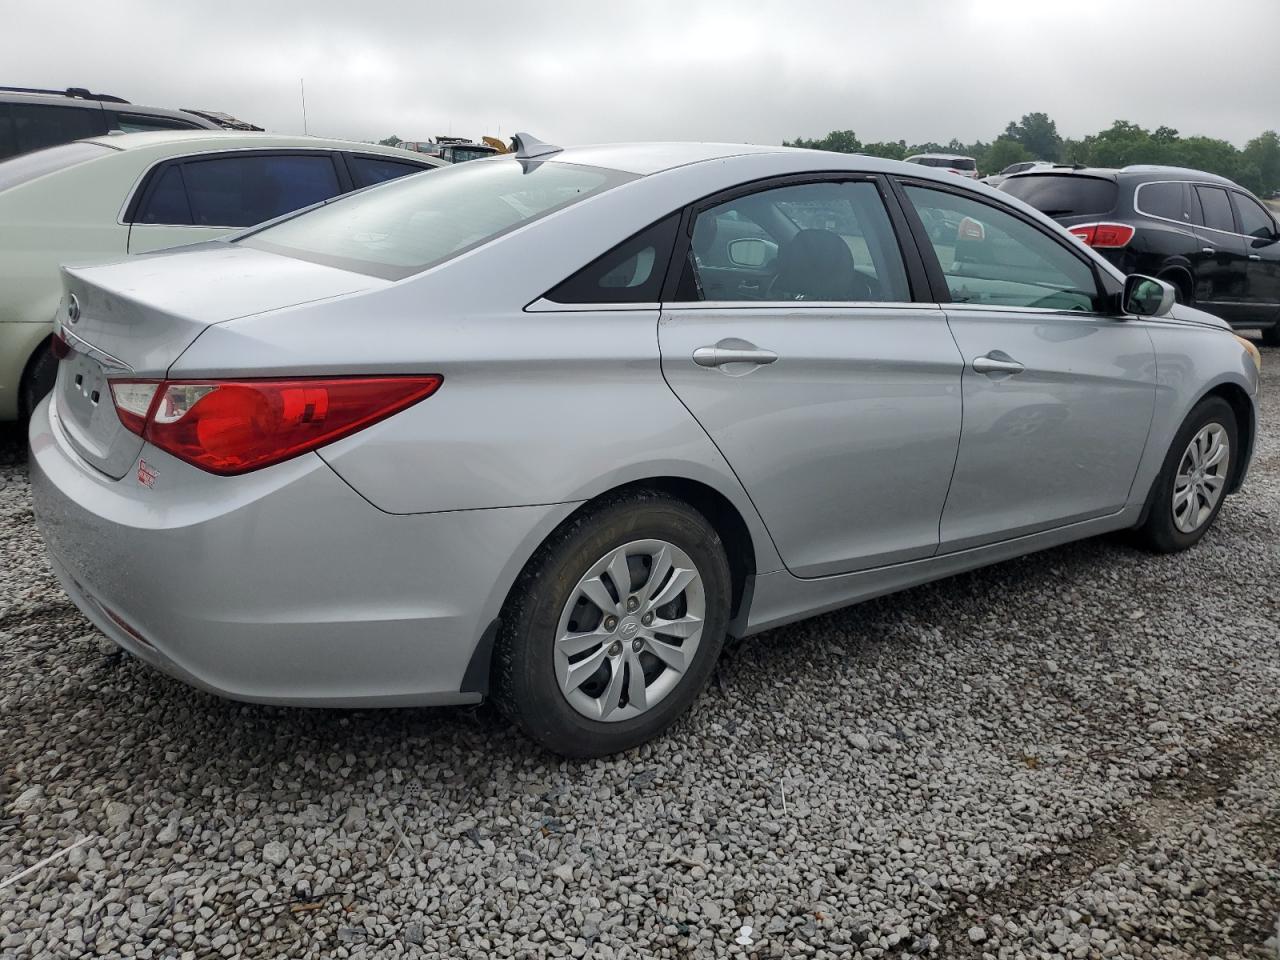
x,y
1023,166
103,198
951,162
549,428
450,149
1215,242
32,119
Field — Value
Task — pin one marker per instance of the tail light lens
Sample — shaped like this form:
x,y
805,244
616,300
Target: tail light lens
x,y
1104,236
235,426
971,229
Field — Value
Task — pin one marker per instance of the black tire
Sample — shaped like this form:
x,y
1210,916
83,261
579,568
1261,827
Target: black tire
x,y
1271,336
1158,532
37,381
1181,288
524,683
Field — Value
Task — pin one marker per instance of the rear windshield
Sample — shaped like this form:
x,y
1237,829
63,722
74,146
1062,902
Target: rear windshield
x,y
404,227
1064,194
28,166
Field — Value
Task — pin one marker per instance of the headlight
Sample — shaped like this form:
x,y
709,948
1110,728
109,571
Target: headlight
x,y
1252,349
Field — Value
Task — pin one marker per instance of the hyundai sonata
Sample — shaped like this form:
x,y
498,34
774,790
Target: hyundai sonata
x,y
549,427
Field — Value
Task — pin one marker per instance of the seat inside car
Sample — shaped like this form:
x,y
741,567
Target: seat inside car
x,y
818,265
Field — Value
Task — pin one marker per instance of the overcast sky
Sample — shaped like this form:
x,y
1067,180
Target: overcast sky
x,y
607,70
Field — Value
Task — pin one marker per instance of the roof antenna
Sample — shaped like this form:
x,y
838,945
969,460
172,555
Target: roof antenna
x,y
529,147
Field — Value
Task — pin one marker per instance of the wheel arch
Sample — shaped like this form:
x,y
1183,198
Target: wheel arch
x,y
1242,406
1179,273
742,549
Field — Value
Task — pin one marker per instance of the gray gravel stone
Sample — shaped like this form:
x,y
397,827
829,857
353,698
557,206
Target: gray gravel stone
x,y
1075,753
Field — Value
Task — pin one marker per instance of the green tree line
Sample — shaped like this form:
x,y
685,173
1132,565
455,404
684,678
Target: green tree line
x,y
1035,137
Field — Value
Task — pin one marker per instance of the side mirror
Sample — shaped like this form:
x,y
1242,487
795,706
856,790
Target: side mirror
x,y
751,252
1147,296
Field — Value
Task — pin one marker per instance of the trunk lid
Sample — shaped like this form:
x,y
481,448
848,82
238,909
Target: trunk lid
x,y
132,319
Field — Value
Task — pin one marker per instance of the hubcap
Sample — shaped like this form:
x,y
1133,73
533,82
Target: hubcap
x,y
629,630
1201,477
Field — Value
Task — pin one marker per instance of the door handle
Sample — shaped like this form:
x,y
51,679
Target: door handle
x,y
996,364
718,356
1208,251
1254,256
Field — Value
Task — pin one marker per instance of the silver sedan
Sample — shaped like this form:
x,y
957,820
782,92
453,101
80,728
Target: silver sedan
x,y
549,427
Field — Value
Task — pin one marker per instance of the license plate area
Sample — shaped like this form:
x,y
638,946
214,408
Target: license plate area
x,y
88,414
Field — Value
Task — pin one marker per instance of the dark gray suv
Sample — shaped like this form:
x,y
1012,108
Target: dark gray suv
x,y
32,119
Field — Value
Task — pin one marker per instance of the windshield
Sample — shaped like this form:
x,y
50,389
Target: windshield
x,y
1064,194
408,225
28,166
471,153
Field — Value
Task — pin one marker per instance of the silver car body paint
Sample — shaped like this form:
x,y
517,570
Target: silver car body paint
x,y
372,571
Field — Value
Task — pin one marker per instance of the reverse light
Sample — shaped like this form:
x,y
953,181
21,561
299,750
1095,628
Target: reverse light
x,y
235,426
1104,236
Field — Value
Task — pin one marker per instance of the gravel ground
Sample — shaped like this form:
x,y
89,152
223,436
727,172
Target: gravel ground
x,y
1073,754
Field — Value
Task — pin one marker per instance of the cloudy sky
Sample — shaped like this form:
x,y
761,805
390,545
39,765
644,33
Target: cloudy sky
x,y
577,71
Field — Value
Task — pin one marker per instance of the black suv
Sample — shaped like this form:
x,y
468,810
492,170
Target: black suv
x,y
1210,238
32,119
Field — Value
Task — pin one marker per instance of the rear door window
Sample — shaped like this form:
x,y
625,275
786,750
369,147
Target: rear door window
x,y
1171,201
37,125
1064,195
239,191
366,171
1216,207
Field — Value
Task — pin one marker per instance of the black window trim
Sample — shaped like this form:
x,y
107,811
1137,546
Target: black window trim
x,y
1109,289
918,286
146,183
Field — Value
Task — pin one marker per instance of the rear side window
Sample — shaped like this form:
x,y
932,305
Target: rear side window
x,y
418,222
1216,206
366,171
1172,201
1254,221
1064,195
167,201
34,126
241,191
141,122
631,272
22,169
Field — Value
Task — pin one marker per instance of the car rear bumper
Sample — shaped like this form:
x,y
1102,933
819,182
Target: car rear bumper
x,y
280,586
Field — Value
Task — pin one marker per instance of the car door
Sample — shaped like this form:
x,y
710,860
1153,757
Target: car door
x,y
1262,247
832,394
206,196
1222,262
1058,395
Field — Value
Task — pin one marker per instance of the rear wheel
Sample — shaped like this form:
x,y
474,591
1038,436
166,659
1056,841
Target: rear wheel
x,y
1271,336
1188,493
614,627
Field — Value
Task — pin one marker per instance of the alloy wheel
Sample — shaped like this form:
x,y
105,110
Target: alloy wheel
x,y
629,630
1201,477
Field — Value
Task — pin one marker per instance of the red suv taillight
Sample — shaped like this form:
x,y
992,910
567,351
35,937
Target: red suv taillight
x,y
234,426
1104,235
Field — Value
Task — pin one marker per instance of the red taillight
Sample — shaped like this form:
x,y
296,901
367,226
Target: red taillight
x,y
1104,235
234,426
59,347
971,229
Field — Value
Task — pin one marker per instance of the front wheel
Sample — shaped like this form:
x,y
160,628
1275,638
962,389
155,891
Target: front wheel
x,y
1188,493
614,627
